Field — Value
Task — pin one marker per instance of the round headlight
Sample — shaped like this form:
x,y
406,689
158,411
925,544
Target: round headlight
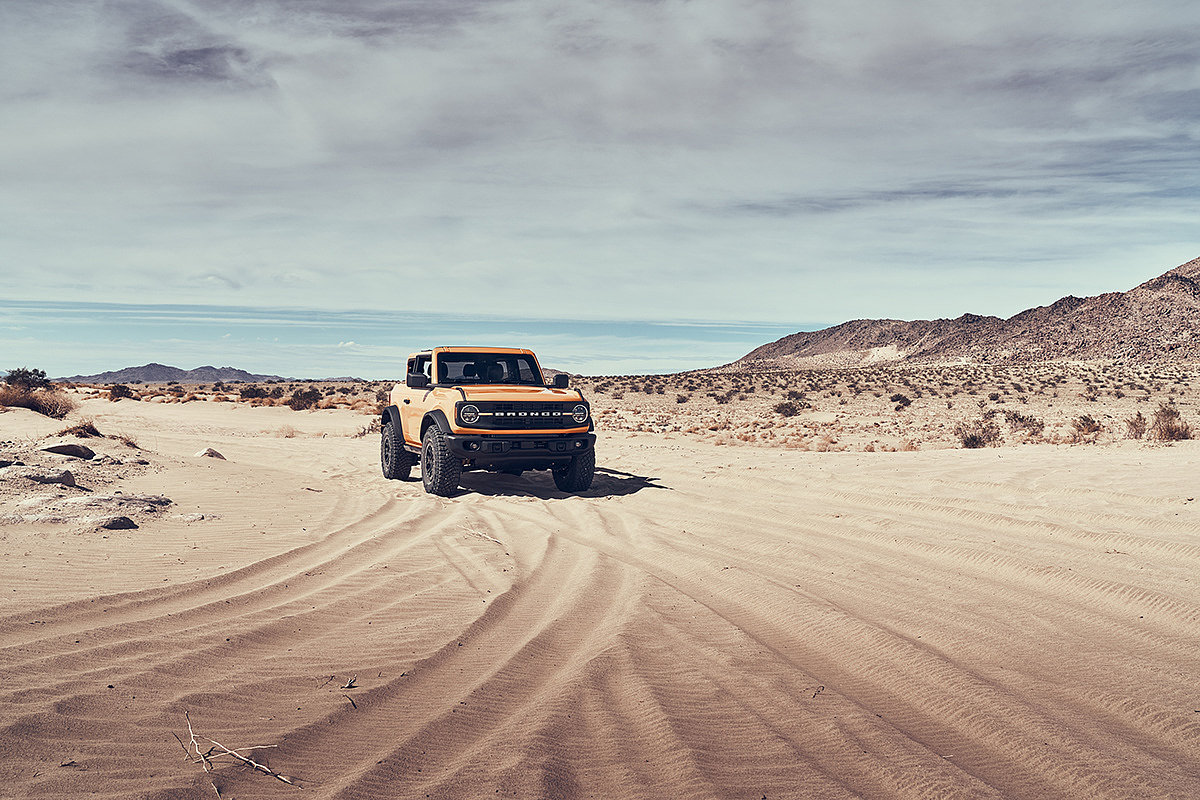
x,y
580,413
469,414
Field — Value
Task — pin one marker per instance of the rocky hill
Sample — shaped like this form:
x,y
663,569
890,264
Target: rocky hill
x,y
1158,320
161,373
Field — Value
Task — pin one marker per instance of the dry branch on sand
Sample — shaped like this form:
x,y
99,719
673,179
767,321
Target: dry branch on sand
x,y
205,756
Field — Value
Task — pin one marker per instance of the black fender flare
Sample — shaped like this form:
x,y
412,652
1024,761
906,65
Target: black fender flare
x,y
392,414
435,417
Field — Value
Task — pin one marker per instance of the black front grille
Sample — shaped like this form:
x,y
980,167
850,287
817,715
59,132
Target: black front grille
x,y
525,416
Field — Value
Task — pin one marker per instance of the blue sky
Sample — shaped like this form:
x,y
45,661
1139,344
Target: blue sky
x,y
758,162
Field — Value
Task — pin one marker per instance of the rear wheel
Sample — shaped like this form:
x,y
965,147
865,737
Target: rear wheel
x,y
440,470
577,475
396,462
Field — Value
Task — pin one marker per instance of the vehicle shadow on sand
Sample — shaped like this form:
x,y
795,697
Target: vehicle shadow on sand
x,y
540,484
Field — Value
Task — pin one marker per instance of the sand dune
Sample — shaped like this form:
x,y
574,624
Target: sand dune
x,y
706,622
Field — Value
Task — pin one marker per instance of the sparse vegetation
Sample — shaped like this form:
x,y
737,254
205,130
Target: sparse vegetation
x,y
787,408
982,432
1135,426
47,402
303,399
1168,425
85,429
27,379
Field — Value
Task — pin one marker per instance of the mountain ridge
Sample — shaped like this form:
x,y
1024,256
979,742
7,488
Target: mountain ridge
x,y
162,373
1157,320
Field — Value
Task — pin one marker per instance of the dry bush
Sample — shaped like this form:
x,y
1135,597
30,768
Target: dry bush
x,y
374,427
1135,426
126,440
286,432
1086,425
1024,422
787,408
302,399
983,432
1168,425
48,403
118,391
84,430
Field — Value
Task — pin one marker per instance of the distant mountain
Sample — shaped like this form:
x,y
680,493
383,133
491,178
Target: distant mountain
x,y
1158,320
161,373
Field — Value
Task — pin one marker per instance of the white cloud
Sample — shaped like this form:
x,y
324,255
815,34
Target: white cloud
x,y
770,160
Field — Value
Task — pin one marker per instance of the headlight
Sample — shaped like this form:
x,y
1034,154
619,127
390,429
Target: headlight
x,y
469,414
580,413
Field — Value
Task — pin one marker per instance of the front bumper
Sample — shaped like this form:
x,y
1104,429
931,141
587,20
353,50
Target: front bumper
x,y
531,448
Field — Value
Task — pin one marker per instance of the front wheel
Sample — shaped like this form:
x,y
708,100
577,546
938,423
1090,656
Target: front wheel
x,y
396,462
440,470
577,475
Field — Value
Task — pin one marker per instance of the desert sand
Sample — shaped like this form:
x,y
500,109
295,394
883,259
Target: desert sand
x,y
706,622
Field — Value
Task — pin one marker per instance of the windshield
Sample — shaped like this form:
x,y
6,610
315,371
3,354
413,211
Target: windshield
x,y
509,368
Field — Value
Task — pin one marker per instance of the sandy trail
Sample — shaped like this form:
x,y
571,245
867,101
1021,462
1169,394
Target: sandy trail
x,y
707,622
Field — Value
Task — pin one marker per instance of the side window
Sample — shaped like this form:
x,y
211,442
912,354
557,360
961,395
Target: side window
x,y
422,366
412,366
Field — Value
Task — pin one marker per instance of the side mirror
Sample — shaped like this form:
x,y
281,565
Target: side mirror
x,y
561,381
417,380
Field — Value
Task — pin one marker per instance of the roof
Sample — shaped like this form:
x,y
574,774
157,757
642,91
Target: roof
x,y
464,349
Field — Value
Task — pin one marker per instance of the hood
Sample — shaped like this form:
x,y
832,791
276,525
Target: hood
x,y
521,393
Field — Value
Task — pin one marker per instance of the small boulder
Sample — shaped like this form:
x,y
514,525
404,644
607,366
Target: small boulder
x,y
208,452
59,476
118,524
71,449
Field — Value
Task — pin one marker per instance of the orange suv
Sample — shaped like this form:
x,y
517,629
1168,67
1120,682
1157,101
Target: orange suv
x,y
485,408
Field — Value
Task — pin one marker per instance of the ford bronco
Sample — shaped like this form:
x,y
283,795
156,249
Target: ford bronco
x,y
485,408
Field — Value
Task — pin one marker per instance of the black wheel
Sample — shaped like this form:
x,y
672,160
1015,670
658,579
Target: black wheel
x,y
577,475
396,462
440,470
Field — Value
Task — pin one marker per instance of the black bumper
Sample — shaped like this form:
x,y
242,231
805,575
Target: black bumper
x,y
529,448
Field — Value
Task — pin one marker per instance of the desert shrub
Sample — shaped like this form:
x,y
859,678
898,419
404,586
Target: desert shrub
x,y
994,396
84,430
1135,426
982,432
286,432
1086,425
787,408
118,391
27,379
53,404
1025,422
1168,425
302,399
901,401
682,398
251,392
126,440
373,427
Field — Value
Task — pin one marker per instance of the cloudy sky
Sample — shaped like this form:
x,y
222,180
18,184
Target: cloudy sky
x,y
759,161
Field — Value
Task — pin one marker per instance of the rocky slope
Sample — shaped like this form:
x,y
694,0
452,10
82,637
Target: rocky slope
x,y
1158,320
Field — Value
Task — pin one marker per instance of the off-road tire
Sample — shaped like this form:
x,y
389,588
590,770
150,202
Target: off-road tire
x,y
396,462
440,470
577,475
